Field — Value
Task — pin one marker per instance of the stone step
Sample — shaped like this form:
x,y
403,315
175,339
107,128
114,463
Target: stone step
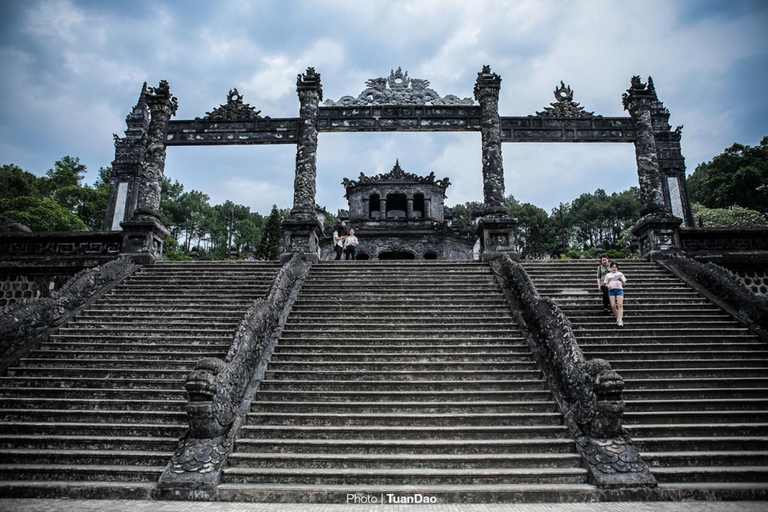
x,y
86,382
90,373
696,393
145,330
406,432
705,458
402,385
397,332
92,416
322,477
695,444
419,419
426,461
110,457
699,430
94,393
510,344
204,350
701,383
757,474
324,368
684,417
107,364
407,407
387,357
509,349
709,404
639,358
90,472
200,337
403,375
409,446
123,355
92,404
300,322
95,429
88,442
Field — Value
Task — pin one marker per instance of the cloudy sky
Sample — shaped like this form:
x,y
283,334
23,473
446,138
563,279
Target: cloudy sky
x,y
71,70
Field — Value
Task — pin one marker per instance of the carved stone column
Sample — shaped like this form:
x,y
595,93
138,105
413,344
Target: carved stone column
x,y
427,208
487,89
637,100
301,232
127,166
657,230
144,233
383,208
495,229
409,209
305,183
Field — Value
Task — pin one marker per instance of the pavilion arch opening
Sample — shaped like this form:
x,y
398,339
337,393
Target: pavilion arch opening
x,y
397,255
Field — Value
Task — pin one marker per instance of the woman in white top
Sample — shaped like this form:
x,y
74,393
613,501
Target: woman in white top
x,y
338,241
350,246
615,282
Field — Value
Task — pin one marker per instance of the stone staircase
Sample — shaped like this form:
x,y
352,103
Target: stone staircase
x,y
696,380
97,410
403,378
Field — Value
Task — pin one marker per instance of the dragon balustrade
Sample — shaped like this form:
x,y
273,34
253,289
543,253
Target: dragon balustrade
x,y
590,393
220,392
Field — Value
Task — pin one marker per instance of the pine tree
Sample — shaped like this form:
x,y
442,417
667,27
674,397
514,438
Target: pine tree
x,y
271,244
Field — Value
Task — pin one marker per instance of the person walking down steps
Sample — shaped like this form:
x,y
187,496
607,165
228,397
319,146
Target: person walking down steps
x,y
338,241
602,270
615,282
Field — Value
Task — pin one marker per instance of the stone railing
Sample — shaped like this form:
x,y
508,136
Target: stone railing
x,y
220,392
24,326
59,249
589,393
729,247
724,288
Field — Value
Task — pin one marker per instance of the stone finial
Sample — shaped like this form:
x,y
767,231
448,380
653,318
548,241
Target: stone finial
x,y
639,92
309,81
564,106
487,81
234,110
160,97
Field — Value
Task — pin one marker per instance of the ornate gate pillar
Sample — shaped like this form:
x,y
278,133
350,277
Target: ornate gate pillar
x,y
657,229
144,233
495,229
130,152
301,231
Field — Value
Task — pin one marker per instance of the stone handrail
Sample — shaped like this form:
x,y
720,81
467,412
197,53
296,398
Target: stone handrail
x,y
23,326
724,287
220,391
589,392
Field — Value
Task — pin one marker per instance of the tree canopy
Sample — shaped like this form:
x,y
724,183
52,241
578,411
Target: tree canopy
x,y
736,177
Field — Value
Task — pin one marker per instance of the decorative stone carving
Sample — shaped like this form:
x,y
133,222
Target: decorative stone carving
x,y
23,326
310,92
218,388
589,392
638,101
398,89
162,106
565,106
396,174
487,89
752,308
233,110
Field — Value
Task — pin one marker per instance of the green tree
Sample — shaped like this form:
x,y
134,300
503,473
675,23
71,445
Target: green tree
x,y
736,177
16,182
271,245
536,236
40,214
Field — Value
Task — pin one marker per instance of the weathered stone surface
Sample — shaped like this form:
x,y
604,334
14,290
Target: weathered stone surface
x,y
22,327
638,100
217,388
398,89
234,109
162,106
310,93
589,392
565,106
752,308
487,89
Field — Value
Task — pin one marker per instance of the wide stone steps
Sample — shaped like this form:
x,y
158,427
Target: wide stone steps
x,y
97,410
696,380
412,374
